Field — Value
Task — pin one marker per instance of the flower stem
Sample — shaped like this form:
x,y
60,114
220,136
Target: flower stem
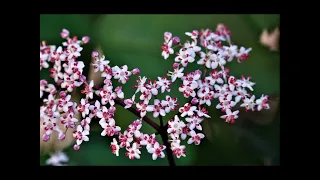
x,y
135,112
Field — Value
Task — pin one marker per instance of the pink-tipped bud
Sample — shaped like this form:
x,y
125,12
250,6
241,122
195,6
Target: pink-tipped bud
x,y
83,78
95,54
43,82
198,72
175,66
118,89
64,33
195,33
62,94
176,40
76,147
112,109
85,39
194,101
45,137
62,136
136,71
167,36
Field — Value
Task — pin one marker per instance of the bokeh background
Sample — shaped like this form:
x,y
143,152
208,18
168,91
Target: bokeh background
x,y
135,40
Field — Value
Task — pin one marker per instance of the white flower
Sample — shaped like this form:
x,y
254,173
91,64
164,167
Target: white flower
x,y
187,109
157,108
125,139
57,159
263,103
206,96
49,125
43,84
175,126
166,49
185,56
86,123
164,84
115,147
141,82
74,51
156,151
225,102
142,107
249,103
133,152
187,88
194,34
229,52
194,122
240,93
110,128
83,108
216,37
230,116
205,59
88,91
178,150
243,54
215,77
100,63
177,73
65,103
221,90
193,46
129,102
232,81
246,83
217,60
95,109
195,138
121,73
68,120
80,135
107,96
43,61
170,104
119,92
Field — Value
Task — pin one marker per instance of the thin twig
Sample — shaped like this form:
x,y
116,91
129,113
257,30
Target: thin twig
x,y
137,113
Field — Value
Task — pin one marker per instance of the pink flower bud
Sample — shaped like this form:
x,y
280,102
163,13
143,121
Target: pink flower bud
x,y
76,147
64,33
176,40
85,39
167,36
62,136
118,89
194,101
195,33
95,54
198,72
62,94
175,66
112,109
43,82
136,71
45,138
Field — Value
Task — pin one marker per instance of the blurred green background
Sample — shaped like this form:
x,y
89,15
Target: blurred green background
x,y
135,40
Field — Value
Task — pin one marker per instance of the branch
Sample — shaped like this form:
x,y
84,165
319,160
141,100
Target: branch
x,y
137,113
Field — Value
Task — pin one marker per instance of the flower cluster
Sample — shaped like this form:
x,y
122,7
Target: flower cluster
x,y
211,81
